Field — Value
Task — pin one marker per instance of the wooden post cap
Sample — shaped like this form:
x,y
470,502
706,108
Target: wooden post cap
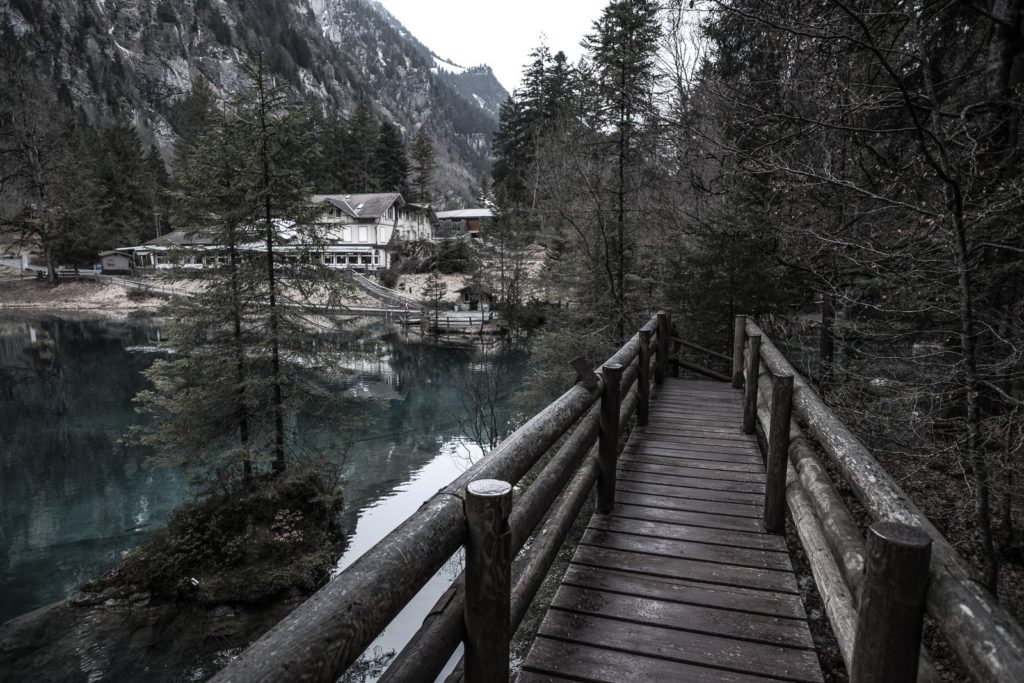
x,y
487,488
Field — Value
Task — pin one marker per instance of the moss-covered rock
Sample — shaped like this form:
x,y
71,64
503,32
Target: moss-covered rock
x,y
245,542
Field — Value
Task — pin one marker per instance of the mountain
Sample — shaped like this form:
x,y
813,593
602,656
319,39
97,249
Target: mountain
x,y
476,84
136,59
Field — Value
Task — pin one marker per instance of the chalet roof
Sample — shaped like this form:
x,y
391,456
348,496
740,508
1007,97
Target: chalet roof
x,y
463,214
179,238
362,205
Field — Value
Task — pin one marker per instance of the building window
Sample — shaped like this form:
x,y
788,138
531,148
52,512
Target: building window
x,y
363,234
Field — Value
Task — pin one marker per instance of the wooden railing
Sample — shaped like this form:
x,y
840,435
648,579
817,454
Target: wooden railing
x,y
321,638
678,361
876,591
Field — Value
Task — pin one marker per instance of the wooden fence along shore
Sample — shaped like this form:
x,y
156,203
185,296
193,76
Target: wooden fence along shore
x,y
682,573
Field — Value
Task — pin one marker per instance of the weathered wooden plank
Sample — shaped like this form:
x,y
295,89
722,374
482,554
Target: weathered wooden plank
x,y
692,494
549,658
696,453
697,459
700,445
693,419
782,605
684,532
684,617
634,471
703,519
649,551
698,449
727,436
723,414
691,570
699,431
696,399
678,467
680,646
641,484
739,512
694,550
535,677
676,427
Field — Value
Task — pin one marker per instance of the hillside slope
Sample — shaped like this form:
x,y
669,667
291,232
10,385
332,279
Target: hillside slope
x,y
135,59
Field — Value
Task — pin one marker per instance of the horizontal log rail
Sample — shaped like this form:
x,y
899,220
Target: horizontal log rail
x,y
326,634
851,575
678,362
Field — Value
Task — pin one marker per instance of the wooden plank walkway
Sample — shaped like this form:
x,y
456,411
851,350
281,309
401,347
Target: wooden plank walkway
x,y
680,582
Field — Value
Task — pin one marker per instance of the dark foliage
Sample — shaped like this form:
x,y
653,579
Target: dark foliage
x,y
242,542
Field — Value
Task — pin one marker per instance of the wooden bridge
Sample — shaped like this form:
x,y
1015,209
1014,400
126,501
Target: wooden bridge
x,y
682,572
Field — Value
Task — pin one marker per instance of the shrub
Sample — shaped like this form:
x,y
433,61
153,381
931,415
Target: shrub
x,y
388,278
243,542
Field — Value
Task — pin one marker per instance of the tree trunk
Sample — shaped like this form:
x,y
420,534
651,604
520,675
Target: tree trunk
x,y
972,417
277,404
240,373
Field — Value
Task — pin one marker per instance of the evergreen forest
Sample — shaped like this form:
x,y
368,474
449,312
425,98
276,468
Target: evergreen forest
x,y
849,172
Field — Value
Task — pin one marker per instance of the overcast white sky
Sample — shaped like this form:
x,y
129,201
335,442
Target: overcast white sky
x,y
498,33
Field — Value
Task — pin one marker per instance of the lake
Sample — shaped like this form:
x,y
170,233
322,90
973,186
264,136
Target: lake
x,y
74,498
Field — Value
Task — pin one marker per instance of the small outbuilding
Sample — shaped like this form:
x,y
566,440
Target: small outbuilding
x,y
474,298
115,263
462,222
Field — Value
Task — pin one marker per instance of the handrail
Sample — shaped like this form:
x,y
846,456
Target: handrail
x,y
984,636
704,349
429,649
327,633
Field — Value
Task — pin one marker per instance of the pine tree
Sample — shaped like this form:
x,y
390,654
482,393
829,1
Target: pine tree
x,y
49,196
434,292
130,182
623,47
361,141
247,351
392,170
424,162
192,115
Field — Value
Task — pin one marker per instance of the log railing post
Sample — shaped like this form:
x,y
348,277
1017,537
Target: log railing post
x,y
487,608
750,385
644,378
778,454
661,359
889,622
739,335
608,442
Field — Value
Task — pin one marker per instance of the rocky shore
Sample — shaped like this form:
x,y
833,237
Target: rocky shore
x,y
119,635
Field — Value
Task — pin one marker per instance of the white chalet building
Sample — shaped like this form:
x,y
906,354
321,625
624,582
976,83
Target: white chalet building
x,y
360,228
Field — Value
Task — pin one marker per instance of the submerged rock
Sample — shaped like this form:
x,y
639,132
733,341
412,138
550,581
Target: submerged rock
x,y
98,637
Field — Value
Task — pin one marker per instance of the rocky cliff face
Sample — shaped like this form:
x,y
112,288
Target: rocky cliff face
x,y
135,59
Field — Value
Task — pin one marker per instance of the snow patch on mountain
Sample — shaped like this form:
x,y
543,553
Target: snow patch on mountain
x,y
448,66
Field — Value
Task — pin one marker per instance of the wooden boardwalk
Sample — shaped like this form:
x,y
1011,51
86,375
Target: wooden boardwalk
x,y
680,582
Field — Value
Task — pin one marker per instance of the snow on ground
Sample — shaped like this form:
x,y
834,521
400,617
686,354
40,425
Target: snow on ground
x,y
414,283
78,295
